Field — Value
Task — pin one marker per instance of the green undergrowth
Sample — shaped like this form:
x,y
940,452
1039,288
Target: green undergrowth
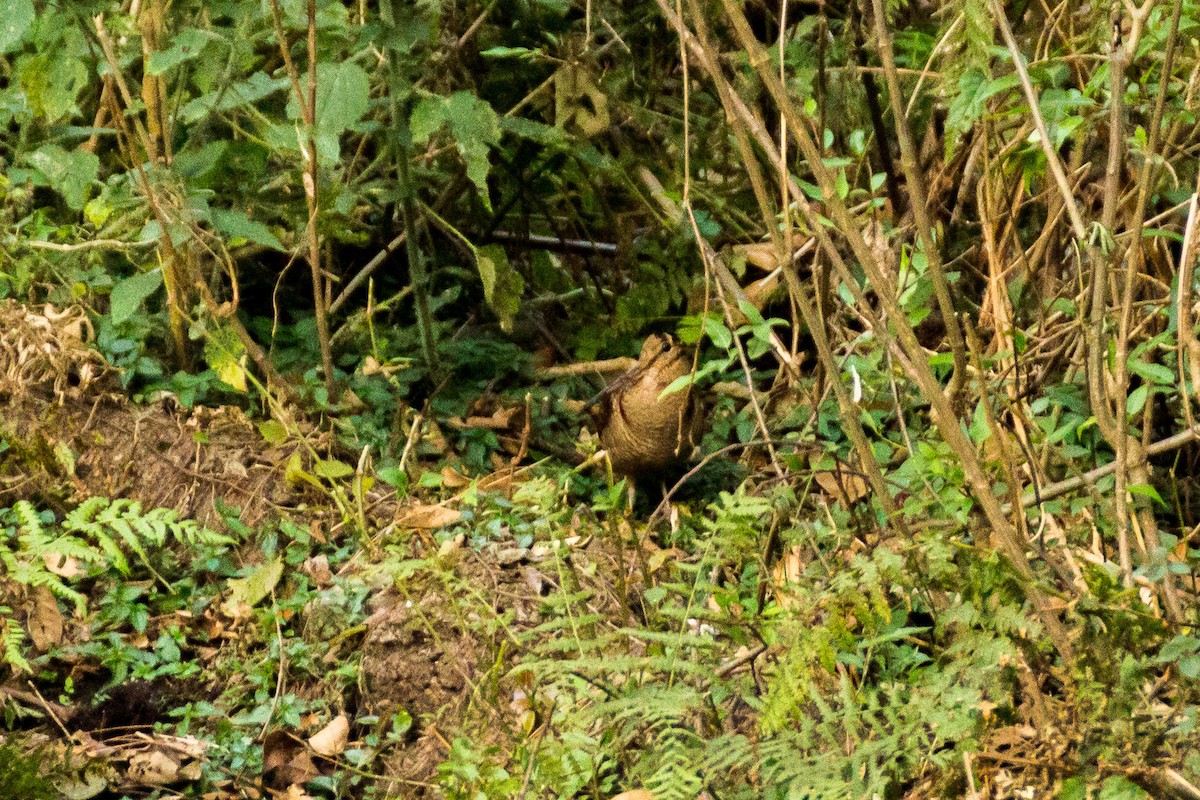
x,y
866,667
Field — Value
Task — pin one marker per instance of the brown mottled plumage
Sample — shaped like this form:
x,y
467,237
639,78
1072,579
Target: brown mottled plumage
x,y
642,432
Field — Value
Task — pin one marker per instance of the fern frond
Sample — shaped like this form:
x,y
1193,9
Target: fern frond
x,y
12,637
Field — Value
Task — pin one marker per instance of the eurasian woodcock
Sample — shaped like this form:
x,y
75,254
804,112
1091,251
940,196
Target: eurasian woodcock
x,y
644,432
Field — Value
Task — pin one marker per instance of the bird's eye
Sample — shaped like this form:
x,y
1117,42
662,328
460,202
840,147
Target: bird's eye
x,y
666,345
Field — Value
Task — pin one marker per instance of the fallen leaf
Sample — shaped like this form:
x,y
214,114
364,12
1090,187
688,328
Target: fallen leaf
x,y
331,740
844,486
428,517
83,786
760,254
452,479
45,621
634,794
152,768
62,566
286,761
784,575
296,792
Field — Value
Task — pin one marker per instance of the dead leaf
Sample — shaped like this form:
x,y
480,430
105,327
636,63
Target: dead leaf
x,y
843,485
286,760
152,768
452,479
499,420
318,569
62,566
760,254
784,575
45,621
330,741
428,517
89,783
635,794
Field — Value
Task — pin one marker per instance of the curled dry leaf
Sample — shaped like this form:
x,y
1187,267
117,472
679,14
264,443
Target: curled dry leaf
x,y
330,741
428,517
318,569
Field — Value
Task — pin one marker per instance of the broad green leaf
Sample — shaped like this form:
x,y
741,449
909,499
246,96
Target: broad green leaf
x,y
273,432
1189,667
226,356
331,469
52,83
677,385
502,285
717,332
1146,490
255,587
1155,373
16,17
427,116
186,45
238,225
343,96
129,294
241,93
69,173
1118,787
1136,400
295,475
1073,789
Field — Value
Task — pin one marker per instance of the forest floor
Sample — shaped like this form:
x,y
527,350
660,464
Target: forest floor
x,y
369,640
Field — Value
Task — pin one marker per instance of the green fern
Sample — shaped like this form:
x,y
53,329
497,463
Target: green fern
x,y
12,638
99,533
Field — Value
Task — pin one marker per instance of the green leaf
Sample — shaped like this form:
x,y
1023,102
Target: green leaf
x,y
1189,667
509,52
427,116
186,45
677,385
717,332
1073,789
273,432
52,83
332,469
1155,373
1146,490
16,18
237,224
238,94
129,294
343,96
1118,787
69,173
226,356
502,285
1136,400
252,589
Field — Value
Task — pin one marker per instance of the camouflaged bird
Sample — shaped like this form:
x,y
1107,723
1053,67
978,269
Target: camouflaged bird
x,y
643,432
